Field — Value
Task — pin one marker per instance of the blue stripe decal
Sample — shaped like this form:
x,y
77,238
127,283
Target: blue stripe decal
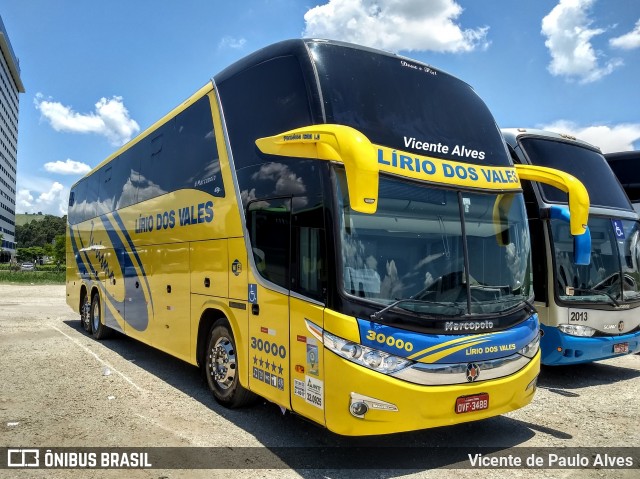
x,y
86,256
124,231
82,269
109,318
136,312
448,348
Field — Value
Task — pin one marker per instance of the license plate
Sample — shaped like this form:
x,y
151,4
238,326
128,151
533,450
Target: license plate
x,y
621,348
477,402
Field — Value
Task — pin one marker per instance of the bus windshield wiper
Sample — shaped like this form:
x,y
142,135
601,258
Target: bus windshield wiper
x,y
378,315
570,290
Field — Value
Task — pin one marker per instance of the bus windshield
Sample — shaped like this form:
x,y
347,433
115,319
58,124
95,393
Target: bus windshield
x,y
612,277
413,249
584,163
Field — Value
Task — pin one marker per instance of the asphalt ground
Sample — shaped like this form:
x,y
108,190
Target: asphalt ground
x,y
62,389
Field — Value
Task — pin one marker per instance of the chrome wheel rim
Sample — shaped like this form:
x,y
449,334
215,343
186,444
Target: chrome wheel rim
x,y
95,315
222,363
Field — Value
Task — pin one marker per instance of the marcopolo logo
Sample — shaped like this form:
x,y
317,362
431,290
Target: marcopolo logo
x,y
468,325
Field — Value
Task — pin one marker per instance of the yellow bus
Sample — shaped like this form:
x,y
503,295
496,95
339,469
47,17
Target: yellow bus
x,y
336,229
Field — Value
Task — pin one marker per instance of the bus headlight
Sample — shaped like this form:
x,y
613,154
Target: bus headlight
x,y
577,330
531,349
370,358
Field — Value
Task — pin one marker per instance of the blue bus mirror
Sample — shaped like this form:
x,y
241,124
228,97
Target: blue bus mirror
x,y
581,243
582,248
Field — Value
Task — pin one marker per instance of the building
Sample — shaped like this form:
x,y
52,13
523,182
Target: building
x,y
10,86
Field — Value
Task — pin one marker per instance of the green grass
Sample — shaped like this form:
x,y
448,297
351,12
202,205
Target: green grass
x,y
35,277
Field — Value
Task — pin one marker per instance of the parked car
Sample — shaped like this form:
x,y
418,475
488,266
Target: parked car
x,y
27,267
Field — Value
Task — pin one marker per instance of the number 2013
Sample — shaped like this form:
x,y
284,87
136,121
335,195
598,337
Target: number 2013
x,y
578,316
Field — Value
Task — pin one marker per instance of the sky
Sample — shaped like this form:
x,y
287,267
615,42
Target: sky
x,y
97,74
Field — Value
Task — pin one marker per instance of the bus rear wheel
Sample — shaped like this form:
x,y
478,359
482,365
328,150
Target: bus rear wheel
x,y
100,331
85,313
221,367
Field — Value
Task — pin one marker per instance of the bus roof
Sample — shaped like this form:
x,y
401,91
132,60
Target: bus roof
x,y
623,155
300,46
511,136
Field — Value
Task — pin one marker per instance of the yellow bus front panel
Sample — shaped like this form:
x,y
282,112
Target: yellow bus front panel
x,y
411,406
306,361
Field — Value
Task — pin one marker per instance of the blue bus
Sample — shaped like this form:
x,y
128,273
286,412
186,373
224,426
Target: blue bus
x,y
587,306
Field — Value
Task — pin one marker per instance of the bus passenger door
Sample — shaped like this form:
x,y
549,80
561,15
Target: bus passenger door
x,y
268,222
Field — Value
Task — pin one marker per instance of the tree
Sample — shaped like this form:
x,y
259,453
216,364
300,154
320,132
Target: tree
x,y
30,254
40,233
59,249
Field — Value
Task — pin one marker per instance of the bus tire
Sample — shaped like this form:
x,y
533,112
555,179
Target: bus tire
x,y
99,330
85,313
221,367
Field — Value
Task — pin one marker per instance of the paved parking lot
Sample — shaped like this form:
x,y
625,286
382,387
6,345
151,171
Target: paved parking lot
x,y
62,388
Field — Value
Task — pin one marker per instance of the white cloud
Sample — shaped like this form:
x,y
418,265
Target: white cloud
x,y
24,201
231,42
52,201
110,119
628,41
609,138
68,167
395,25
569,42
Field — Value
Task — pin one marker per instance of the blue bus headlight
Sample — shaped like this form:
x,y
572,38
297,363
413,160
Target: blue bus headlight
x,y
370,358
577,330
532,348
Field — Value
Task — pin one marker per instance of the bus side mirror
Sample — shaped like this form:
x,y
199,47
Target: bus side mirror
x,y
581,243
578,195
334,143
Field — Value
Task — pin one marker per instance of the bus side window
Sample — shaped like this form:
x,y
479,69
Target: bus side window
x,y
93,189
269,227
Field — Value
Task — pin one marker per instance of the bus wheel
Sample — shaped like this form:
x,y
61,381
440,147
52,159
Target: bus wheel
x,y
221,367
99,330
85,313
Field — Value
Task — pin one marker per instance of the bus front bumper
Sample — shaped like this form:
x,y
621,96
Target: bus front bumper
x,y
397,406
559,348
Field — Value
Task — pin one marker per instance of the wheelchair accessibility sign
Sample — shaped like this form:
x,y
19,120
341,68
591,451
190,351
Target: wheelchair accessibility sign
x,y
253,293
618,227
